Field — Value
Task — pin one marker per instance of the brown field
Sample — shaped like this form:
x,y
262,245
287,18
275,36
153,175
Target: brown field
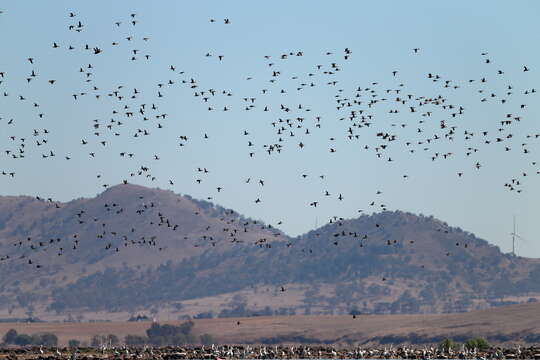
x,y
516,320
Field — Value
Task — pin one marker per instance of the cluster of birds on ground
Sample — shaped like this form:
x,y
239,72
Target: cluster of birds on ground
x,y
281,352
424,124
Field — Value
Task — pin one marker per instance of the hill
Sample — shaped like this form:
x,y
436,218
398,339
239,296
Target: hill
x,y
138,250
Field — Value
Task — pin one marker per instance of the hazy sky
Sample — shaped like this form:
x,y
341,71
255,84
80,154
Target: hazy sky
x,y
381,35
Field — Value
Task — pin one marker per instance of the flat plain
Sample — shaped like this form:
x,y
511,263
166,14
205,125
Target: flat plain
x,y
509,324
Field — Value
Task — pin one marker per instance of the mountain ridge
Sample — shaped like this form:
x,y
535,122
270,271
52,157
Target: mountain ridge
x,y
131,248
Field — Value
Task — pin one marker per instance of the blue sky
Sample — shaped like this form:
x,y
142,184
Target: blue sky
x,y
451,37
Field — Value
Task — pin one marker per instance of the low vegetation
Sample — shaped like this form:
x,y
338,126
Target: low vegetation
x,y
477,343
156,335
45,339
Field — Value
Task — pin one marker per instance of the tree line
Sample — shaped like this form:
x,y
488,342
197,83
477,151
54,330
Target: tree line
x,y
12,337
156,335
162,335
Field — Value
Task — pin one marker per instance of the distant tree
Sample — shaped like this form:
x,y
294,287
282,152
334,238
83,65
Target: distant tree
x,y
159,335
204,315
74,343
207,339
46,339
186,327
477,343
30,311
112,339
355,311
158,340
178,306
238,311
138,318
292,311
135,340
447,344
97,340
10,336
23,340
267,311
36,339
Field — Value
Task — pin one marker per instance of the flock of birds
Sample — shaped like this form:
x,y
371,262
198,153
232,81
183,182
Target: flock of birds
x,y
281,352
393,116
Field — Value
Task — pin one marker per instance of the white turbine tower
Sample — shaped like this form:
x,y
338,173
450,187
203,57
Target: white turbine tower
x,y
514,236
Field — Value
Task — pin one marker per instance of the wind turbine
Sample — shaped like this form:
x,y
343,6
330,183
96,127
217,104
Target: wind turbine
x,y
514,236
